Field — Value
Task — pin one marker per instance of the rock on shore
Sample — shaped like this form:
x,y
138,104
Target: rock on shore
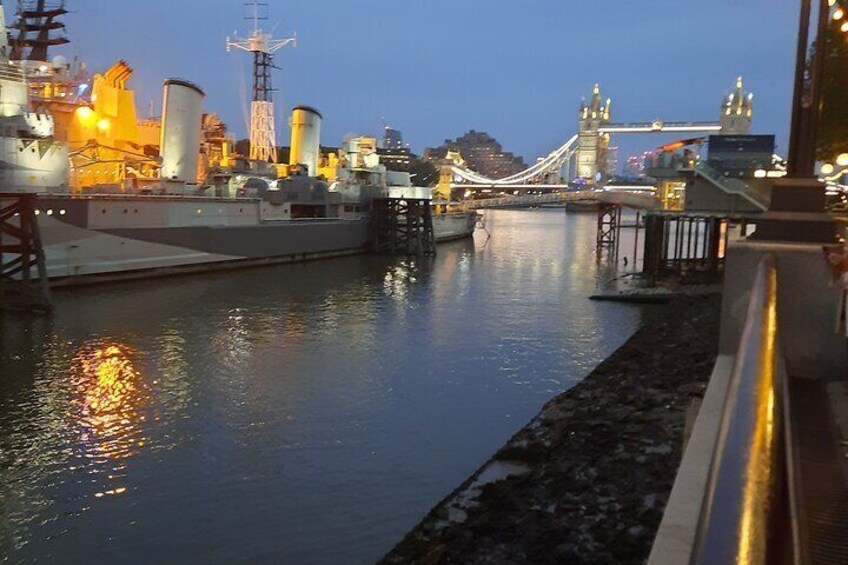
x,y
585,481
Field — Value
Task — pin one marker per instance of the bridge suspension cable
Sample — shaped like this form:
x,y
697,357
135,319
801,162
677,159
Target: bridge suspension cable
x,y
554,159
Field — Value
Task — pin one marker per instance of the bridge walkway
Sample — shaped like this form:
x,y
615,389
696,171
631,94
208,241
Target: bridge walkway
x,y
625,199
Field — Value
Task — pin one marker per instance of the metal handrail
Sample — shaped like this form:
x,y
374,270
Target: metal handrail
x,y
742,518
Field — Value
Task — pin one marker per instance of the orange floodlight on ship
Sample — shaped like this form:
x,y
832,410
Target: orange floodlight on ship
x,y
675,145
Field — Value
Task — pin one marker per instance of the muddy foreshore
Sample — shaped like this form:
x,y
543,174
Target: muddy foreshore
x,y
587,480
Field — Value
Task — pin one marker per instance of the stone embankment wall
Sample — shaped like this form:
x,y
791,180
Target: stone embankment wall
x,y
585,481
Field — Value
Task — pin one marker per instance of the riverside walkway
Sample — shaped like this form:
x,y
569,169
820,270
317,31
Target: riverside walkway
x,y
763,477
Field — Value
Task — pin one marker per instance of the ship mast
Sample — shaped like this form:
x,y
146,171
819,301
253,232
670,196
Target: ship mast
x,y
38,28
263,142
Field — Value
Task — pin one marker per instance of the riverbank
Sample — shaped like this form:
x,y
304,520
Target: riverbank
x,y
587,479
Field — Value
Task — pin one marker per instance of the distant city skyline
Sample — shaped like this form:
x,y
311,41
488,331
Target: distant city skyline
x,y
436,69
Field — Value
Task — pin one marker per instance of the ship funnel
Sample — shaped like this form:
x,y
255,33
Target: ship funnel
x,y
305,138
182,112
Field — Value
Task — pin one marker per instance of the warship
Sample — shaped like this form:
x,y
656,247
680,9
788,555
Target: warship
x,y
121,196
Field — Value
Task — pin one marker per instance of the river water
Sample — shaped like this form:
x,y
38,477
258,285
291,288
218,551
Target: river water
x,y
306,413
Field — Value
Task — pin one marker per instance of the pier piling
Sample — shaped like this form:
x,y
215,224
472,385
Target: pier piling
x,y
609,226
402,226
20,252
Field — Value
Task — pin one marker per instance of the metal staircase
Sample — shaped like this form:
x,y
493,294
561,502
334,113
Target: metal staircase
x,y
731,185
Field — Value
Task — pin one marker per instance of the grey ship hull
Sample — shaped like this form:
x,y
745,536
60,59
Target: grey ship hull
x,y
103,238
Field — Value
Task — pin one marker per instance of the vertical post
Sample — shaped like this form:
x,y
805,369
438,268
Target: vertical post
x,y
796,125
636,242
688,255
649,257
40,260
678,241
712,250
807,93
697,255
797,208
617,230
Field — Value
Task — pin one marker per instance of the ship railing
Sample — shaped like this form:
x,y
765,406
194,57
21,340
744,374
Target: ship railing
x,y
298,220
135,196
9,72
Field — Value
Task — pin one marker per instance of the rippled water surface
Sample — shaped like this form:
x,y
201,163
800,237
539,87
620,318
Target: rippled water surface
x,y
303,413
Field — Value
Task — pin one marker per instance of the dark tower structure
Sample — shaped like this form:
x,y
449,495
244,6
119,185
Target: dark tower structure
x,y
263,140
38,28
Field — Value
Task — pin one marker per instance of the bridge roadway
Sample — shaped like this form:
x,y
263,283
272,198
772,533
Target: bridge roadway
x,y
625,199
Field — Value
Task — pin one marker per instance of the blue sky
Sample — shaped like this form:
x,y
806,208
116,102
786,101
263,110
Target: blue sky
x,y
436,68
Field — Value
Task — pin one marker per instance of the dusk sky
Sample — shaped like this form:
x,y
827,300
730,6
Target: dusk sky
x,y
437,68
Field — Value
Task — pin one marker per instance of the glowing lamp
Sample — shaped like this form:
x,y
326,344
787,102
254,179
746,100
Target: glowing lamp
x,y
826,169
838,13
103,124
844,26
84,113
760,174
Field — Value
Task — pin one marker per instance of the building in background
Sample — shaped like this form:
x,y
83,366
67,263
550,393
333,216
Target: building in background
x,y
393,153
481,152
398,159
392,138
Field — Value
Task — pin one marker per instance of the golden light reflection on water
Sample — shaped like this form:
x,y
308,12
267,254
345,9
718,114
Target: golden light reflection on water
x,y
322,367
111,396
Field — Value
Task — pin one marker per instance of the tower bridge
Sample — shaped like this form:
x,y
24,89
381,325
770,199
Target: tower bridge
x,y
586,154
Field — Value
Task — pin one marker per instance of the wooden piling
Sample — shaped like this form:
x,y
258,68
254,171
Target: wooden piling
x,y
21,253
402,226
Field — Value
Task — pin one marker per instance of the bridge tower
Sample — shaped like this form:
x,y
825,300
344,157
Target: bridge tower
x,y
443,189
736,111
592,145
